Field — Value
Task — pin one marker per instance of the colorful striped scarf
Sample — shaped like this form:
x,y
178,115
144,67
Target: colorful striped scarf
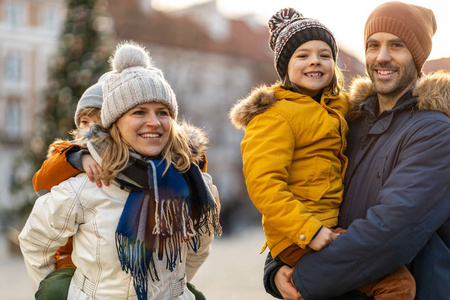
x,y
164,210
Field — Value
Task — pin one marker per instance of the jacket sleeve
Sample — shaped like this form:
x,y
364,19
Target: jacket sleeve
x,y
196,259
412,205
267,151
55,169
54,218
271,268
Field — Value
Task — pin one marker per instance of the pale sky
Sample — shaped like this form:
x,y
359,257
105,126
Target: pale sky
x,y
345,18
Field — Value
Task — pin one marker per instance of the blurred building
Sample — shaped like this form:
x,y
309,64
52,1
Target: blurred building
x,y
434,65
29,33
211,61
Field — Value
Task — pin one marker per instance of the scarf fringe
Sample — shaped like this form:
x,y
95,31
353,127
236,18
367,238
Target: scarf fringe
x,y
176,209
137,261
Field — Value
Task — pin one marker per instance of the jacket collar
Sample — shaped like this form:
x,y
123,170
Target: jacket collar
x,y
371,105
432,92
261,99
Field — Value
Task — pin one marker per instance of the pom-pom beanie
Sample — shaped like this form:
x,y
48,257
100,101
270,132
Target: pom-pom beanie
x,y
132,81
288,30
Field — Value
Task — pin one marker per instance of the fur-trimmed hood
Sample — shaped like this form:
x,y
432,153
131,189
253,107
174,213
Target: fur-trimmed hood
x,y
432,92
198,141
257,102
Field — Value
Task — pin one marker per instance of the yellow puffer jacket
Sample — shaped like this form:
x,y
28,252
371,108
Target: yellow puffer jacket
x,y
293,161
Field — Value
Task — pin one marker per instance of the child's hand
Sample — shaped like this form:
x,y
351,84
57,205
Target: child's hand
x,y
92,169
323,239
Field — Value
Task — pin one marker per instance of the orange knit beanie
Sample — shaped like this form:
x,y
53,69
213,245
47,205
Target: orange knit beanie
x,y
415,25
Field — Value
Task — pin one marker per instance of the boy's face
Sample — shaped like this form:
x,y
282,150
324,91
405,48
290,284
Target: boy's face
x,y
87,121
311,67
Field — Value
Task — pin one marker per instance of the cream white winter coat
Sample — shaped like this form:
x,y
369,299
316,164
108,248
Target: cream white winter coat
x,y
78,208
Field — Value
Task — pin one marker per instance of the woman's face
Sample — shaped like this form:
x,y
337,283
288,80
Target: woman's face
x,y
311,67
146,128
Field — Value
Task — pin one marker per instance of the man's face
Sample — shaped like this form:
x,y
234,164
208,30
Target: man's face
x,y
389,65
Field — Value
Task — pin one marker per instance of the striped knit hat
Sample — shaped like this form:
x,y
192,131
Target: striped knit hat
x,y
415,25
288,30
134,80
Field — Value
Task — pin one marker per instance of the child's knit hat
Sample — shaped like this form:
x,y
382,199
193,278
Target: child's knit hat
x,y
134,80
288,30
91,98
415,25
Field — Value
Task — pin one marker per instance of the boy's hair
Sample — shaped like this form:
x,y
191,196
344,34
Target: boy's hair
x,y
336,85
89,112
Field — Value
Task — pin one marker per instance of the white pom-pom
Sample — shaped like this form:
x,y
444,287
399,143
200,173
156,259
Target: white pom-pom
x,y
130,54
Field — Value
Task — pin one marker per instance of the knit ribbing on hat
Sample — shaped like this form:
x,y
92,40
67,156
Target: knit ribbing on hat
x,y
415,25
296,36
133,81
289,29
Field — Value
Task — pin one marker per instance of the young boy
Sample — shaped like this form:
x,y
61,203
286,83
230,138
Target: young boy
x,y
68,159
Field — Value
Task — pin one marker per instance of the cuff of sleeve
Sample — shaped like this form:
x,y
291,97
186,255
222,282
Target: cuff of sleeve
x,y
74,158
270,270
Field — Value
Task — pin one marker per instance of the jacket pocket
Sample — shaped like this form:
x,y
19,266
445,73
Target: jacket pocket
x,y
320,182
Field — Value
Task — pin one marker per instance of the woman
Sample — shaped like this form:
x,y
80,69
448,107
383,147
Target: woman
x,y
147,233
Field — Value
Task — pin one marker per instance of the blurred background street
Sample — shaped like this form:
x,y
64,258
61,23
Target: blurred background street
x,y
233,270
212,53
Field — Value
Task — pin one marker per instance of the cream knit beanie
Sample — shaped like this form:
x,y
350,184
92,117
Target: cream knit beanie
x,y
134,80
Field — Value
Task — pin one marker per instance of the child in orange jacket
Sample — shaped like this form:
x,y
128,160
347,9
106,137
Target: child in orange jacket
x,y
66,159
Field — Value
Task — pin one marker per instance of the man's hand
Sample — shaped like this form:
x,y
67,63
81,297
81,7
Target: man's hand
x,y
283,281
92,169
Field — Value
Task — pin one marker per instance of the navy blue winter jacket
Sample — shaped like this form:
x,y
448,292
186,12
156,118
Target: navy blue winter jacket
x,y
397,201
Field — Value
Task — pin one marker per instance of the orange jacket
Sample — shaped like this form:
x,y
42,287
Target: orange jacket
x,y
55,170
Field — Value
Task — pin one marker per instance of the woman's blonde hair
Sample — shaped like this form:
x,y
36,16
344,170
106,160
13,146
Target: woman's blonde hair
x,y
336,85
117,151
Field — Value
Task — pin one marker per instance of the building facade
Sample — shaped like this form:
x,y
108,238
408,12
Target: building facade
x,y
210,61
29,31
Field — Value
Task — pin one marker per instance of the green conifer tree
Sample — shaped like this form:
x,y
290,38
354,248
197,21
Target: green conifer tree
x,y
84,47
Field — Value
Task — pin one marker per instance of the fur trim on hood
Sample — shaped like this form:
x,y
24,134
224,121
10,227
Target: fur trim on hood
x,y
432,92
198,141
257,102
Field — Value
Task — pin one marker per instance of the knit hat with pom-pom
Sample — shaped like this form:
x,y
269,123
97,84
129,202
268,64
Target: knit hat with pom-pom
x,y
134,80
288,30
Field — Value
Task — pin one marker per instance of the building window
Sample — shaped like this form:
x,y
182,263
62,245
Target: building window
x,y
14,15
12,117
50,20
13,64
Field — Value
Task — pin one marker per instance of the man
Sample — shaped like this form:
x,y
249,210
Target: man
x,y
396,205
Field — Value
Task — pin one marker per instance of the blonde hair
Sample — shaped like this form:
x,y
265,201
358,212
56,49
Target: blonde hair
x,y
336,85
117,151
90,112
87,111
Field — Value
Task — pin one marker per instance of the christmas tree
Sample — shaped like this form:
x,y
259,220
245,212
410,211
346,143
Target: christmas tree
x,y
85,44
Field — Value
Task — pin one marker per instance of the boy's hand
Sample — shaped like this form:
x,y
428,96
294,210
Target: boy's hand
x,y
323,239
92,169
